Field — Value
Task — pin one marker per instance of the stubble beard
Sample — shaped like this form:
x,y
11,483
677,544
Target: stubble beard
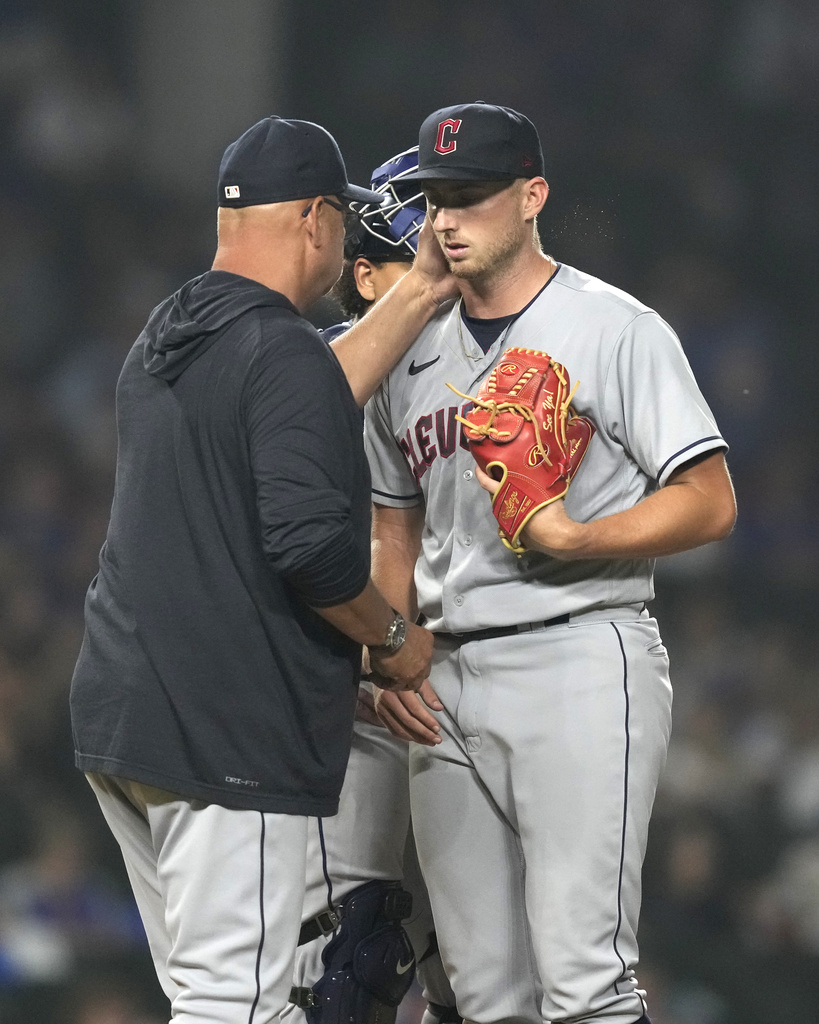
x,y
495,259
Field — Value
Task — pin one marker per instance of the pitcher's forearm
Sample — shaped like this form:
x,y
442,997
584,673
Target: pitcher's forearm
x,y
696,507
395,547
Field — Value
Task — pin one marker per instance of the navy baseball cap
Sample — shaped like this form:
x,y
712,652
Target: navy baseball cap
x,y
278,160
478,142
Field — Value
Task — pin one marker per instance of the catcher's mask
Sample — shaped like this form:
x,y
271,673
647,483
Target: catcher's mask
x,y
389,232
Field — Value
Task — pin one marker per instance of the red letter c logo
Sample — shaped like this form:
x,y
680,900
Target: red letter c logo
x,y
450,145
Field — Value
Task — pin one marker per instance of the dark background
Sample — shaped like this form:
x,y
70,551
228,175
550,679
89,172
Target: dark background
x,y
681,145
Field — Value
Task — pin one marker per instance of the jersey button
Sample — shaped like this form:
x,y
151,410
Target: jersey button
x,y
458,601
468,474
467,540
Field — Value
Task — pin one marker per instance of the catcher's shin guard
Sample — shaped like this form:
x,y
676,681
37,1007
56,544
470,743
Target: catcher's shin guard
x,y
369,963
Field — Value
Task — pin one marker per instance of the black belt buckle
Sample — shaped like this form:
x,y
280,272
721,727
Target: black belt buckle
x,y
558,620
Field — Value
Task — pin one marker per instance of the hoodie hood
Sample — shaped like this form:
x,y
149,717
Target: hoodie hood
x,y
185,325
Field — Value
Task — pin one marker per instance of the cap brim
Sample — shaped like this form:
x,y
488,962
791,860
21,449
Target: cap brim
x,y
356,194
458,174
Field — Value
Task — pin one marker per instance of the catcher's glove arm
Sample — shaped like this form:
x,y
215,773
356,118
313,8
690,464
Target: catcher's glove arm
x,y
523,432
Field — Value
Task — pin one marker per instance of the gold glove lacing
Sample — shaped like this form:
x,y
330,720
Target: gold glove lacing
x,y
524,411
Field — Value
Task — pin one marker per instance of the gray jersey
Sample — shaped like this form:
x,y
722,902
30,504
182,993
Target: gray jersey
x,y
635,385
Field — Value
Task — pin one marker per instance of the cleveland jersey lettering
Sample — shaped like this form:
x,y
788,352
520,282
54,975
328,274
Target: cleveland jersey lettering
x,y
418,445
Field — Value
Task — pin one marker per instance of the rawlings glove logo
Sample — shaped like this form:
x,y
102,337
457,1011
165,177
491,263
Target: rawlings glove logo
x,y
510,506
536,456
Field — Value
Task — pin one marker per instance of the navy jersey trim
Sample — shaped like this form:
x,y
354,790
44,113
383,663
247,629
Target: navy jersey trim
x,y
688,447
261,918
625,809
396,497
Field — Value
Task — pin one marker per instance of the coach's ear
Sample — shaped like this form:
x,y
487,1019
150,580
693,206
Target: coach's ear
x,y
363,274
535,194
317,217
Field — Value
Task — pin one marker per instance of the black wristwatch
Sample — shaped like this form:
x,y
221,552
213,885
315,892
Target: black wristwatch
x,y
396,635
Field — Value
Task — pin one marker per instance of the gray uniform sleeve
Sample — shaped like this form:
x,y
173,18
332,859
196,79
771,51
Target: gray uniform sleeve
x,y
653,405
393,481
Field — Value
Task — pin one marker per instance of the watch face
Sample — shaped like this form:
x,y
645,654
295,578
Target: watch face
x,y
397,633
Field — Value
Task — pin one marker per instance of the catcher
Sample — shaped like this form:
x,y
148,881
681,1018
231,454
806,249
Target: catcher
x,y
367,925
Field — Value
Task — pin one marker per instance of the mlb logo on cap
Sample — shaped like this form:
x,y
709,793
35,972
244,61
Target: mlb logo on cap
x,y
232,192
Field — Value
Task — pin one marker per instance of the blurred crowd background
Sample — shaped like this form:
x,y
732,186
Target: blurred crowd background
x,y
681,145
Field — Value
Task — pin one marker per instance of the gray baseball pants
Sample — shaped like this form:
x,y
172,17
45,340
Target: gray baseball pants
x,y
220,893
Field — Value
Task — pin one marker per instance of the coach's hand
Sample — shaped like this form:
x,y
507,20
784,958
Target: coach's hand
x,y
405,715
431,267
409,666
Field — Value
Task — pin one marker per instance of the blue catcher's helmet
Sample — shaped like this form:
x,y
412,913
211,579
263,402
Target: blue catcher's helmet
x,y
389,232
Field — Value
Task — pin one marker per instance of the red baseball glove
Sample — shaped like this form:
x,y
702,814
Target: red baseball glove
x,y
524,433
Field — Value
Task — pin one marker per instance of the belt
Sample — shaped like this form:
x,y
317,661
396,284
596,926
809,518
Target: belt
x,y
494,633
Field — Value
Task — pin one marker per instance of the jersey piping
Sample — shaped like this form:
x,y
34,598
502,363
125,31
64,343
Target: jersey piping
x,y
396,497
688,448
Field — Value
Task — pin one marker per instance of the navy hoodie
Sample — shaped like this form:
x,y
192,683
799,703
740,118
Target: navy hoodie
x,y
242,502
